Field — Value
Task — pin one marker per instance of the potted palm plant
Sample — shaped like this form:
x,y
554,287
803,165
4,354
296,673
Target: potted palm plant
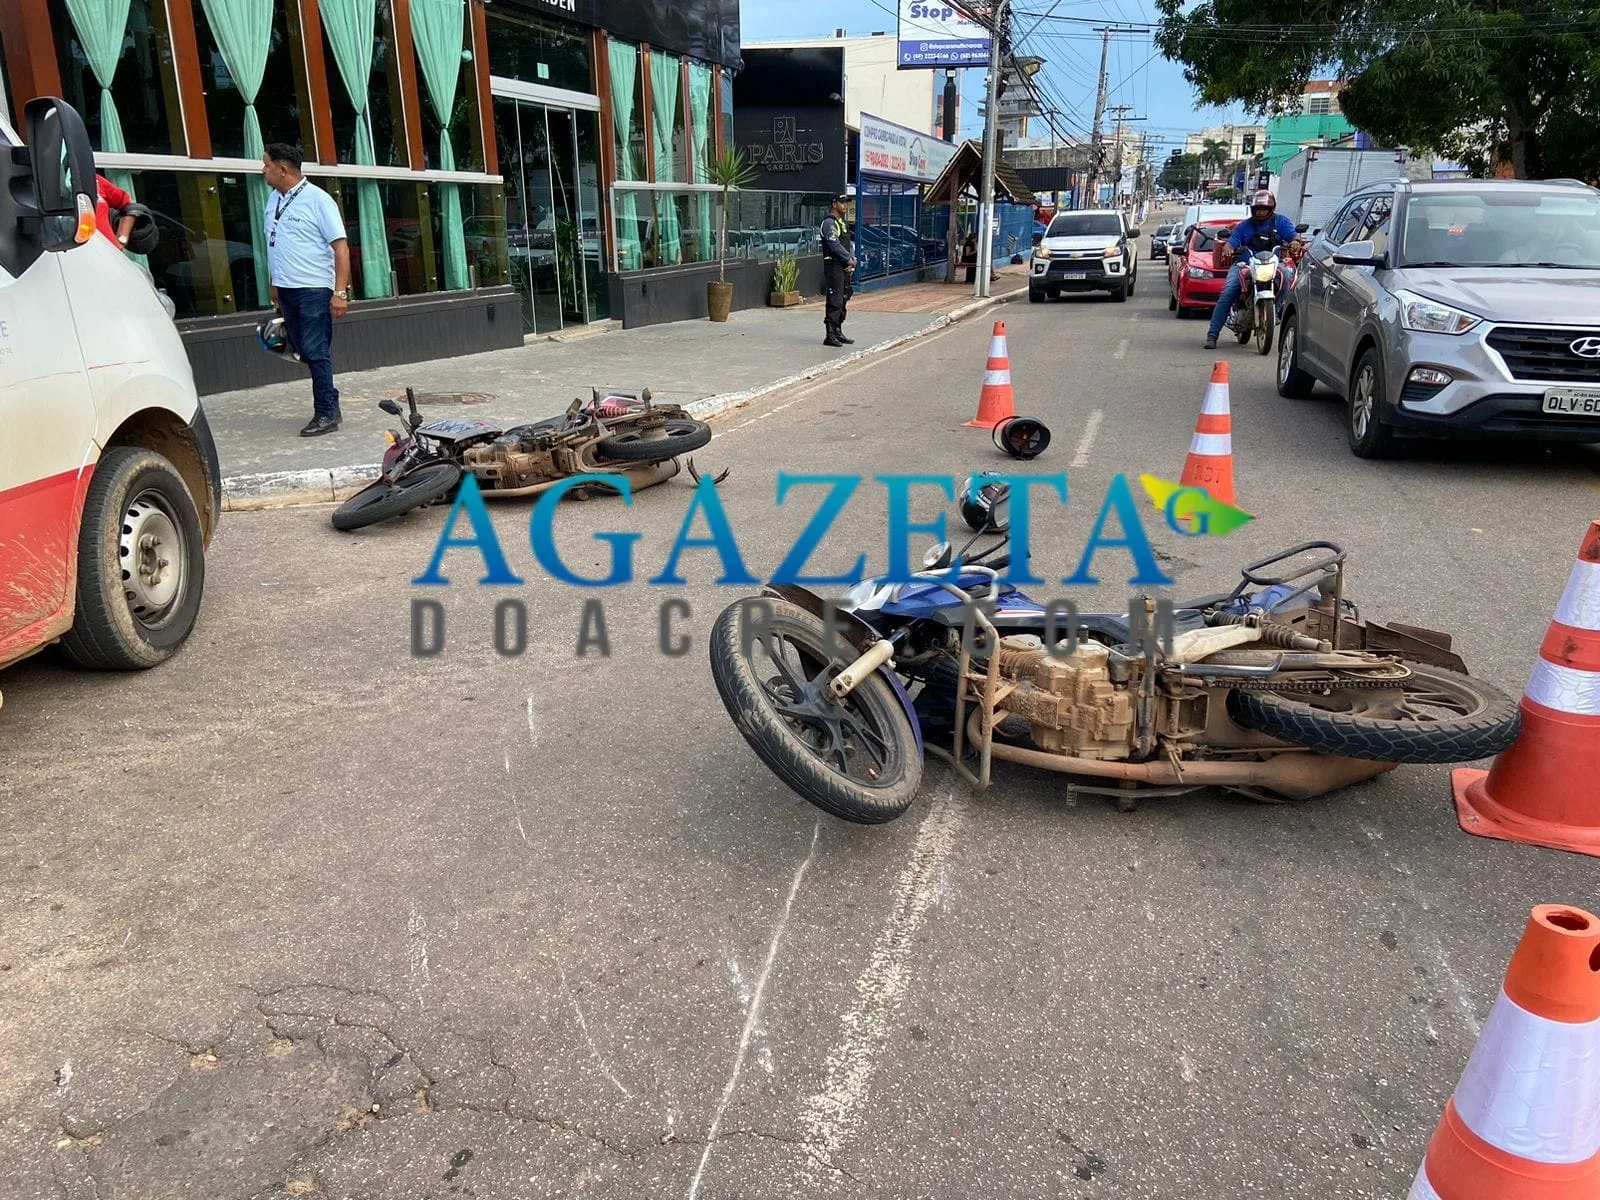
x,y
785,282
729,171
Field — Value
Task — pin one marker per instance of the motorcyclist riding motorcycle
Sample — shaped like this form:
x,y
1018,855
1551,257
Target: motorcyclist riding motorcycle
x,y
1263,230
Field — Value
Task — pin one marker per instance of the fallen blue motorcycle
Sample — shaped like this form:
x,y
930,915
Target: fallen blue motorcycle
x,y
1278,690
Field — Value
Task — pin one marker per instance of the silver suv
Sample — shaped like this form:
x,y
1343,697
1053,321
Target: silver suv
x,y
1461,307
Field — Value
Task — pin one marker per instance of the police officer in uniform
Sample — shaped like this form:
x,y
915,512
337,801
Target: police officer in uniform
x,y
837,265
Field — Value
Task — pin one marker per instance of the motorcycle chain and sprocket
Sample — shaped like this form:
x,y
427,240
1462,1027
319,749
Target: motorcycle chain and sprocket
x,y
1336,681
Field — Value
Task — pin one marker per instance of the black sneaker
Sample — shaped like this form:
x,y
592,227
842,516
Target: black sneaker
x,y
1211,341
320,425
846,341
830,340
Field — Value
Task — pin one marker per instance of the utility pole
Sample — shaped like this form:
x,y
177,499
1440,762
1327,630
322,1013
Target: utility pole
x,y
1116,160
950,105
991,127
1092,188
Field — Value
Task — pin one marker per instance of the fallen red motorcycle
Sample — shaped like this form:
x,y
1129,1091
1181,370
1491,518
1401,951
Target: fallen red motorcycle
x,y
615,434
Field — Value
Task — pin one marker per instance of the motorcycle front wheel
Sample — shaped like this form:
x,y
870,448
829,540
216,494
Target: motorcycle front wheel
x,y
856,758
1444,717
1266,318
381,500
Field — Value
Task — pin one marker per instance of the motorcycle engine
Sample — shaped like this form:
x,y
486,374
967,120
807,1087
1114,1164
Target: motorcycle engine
x,y
1070,703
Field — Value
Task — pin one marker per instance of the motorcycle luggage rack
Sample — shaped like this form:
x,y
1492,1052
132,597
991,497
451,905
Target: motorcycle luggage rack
x,y
1332,562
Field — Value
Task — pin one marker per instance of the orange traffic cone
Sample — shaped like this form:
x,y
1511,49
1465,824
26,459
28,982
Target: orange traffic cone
x,y
1544,789
1524,1123
995,403
1210,461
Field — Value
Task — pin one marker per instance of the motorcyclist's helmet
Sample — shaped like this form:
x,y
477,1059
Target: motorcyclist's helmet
x,y
986,507
273,337
1264,199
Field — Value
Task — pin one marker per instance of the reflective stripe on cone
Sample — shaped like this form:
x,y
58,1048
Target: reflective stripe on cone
x,y
1544,789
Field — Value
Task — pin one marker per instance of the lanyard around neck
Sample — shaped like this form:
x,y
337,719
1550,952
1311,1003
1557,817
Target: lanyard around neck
x,y
282,207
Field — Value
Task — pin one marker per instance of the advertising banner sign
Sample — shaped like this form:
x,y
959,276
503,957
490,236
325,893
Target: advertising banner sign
x,y
901,153
940,33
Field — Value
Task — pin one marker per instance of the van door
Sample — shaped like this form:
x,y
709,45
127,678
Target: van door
x,y
47,452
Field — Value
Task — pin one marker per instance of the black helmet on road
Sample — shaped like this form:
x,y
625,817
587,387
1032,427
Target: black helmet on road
x,y
986,507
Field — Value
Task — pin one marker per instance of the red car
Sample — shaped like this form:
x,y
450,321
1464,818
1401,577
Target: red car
x,y
1194,282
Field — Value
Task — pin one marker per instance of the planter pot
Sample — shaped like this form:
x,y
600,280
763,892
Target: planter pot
x,y
719,300
783,299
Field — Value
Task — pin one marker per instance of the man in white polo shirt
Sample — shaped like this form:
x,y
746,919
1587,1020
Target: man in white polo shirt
x,y
309,259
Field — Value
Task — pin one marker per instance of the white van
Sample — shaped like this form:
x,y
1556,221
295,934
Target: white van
x,y
1196,213
110,488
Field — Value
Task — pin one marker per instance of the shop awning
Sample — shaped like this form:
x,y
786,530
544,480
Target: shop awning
x,y
967,167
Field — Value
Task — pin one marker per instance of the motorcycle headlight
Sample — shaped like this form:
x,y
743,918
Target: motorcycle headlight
x,y
1041,251
1266,272
1422,315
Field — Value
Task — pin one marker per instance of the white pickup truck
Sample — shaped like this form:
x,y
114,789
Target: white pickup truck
x,y
109,482
1085,250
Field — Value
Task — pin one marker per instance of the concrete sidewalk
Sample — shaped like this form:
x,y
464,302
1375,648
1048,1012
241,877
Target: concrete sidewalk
x,y
707,367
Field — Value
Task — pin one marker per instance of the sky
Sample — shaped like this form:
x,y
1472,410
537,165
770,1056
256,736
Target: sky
x,y
1136,74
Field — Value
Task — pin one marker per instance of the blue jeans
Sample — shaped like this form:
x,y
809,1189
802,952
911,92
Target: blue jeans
x,y
308,319
1230,293
1225,302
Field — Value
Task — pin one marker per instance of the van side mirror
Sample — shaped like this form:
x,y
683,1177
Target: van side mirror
x,y
61,193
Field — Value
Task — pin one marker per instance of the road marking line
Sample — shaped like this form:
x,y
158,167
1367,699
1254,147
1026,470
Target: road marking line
x,y
832,1113
421,976
752,1014
1091,429
516,810
584,1025
1122,349
1469,1013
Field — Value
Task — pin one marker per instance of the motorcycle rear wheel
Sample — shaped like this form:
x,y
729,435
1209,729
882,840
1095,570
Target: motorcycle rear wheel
x,y
657,443
1446,718
379,501
856,759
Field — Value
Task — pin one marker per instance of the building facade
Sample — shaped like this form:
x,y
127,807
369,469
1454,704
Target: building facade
x,y
503,169
874,83
1242,141
1313,119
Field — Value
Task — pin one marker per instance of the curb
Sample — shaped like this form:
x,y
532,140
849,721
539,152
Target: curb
x,y
327,485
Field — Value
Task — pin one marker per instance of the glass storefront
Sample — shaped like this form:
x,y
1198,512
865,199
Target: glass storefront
x,y
124,86
549,160
521,46
207,263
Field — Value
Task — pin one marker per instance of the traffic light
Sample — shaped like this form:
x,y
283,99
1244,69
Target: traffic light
x,y
1249,143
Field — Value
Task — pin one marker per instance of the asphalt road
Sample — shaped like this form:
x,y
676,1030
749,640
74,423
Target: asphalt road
x,y
300,914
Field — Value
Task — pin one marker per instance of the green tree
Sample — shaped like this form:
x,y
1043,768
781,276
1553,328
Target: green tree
x,y
1181,173
1214,155
1485,81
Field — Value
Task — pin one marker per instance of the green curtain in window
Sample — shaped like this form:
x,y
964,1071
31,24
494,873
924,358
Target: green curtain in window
x,y
351,25
439,31
624,61
101,26
700,116
665,85
243,29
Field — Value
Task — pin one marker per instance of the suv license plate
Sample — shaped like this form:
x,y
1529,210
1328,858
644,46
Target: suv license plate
x,y
1572,402
1074,274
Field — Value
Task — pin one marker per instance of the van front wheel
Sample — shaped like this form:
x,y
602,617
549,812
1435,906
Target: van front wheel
x,y
141,564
